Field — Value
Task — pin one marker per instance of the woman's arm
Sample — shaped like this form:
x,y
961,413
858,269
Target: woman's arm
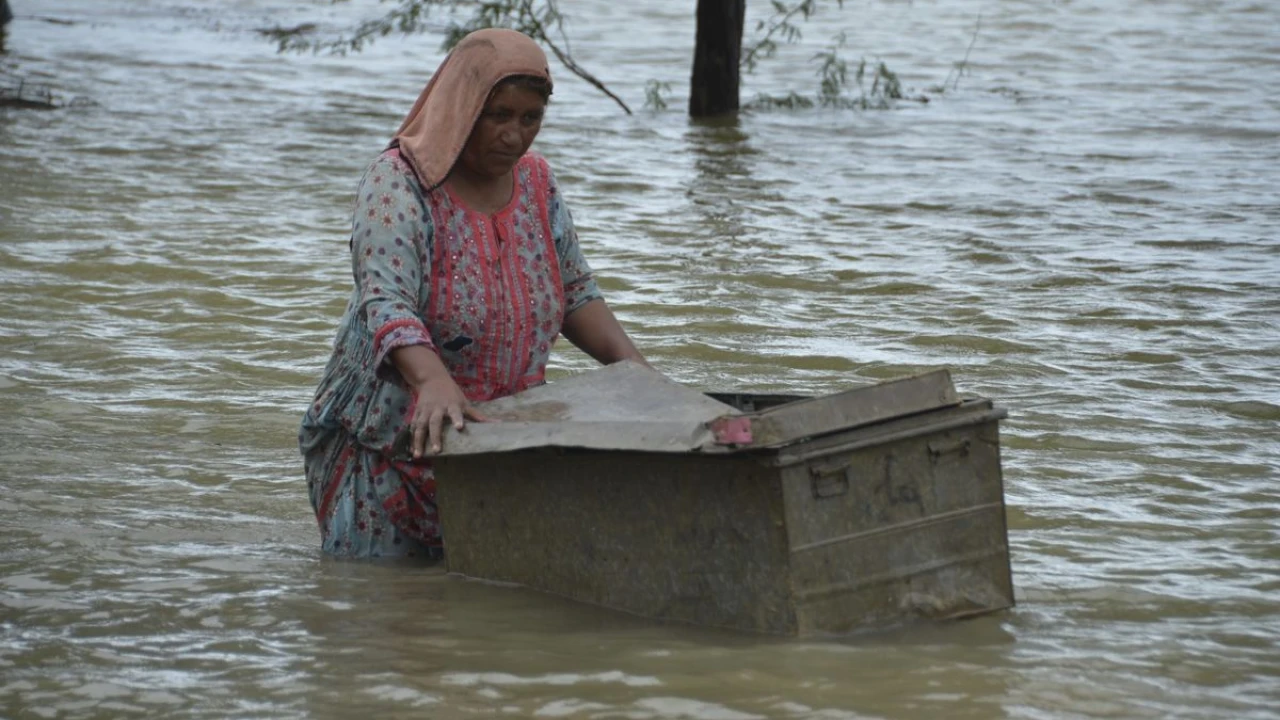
x,y
593,328
389,259
391,262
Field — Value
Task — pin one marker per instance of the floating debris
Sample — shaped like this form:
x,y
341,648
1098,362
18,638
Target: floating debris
x,y
50,20
18,93
281,33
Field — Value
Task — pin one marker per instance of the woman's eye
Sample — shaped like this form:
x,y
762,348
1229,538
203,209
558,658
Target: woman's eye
x,y
532,119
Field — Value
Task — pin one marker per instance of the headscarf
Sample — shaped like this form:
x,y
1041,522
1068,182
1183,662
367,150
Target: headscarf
x,y
437,128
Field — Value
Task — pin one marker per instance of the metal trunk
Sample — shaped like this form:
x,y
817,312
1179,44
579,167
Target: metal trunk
x,y
781,515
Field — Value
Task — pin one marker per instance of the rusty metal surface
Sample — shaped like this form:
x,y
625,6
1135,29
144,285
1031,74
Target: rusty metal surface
x,y
627,406
911,526
797,421
970,412
868,526
624,406
802,516
698,539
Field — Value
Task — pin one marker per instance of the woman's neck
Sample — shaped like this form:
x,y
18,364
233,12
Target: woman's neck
x,y
485,194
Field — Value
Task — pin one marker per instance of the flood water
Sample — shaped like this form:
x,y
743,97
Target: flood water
x,y
1084,229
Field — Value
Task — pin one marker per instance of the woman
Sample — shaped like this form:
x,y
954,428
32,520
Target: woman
x,y
466,268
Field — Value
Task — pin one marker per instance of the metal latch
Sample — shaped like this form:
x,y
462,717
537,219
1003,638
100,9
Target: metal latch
x,y
959,447
828,482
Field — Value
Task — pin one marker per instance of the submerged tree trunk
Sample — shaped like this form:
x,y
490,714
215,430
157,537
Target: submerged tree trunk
x,y
714,90
5,16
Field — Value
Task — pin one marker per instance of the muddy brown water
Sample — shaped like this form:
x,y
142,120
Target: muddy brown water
x,y
1084,229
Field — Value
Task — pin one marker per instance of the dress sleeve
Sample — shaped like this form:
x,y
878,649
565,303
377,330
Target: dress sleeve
x,y
390,257
576,275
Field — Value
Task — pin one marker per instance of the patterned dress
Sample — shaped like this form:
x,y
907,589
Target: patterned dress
x,y
486,292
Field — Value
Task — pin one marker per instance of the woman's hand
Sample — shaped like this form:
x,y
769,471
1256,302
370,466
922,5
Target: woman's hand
x,y
438,399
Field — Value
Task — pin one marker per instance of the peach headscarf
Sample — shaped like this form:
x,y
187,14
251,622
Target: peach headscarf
x,y
433,135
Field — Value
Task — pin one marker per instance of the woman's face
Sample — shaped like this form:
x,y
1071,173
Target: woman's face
x,y
505,130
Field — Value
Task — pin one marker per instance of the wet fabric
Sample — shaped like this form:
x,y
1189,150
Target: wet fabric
x,y
436,129
487,292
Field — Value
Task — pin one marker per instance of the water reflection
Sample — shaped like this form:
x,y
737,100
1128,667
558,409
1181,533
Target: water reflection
x,y
460,646
722,179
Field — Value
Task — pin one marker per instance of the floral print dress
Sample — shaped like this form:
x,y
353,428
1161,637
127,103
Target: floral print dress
x,y
488,293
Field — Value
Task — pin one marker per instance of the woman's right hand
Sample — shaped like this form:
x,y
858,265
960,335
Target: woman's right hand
x,y
436,400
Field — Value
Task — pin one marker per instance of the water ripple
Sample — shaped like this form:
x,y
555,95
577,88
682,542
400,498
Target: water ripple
x,y
1083,229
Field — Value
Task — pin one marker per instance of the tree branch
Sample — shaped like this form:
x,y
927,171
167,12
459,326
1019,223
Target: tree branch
x,y
780,21
564,57
411,16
